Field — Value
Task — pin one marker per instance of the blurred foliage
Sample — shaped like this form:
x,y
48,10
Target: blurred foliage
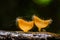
x,y
43,2
11,9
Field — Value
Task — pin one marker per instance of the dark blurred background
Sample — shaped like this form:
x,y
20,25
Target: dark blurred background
x,y
11,9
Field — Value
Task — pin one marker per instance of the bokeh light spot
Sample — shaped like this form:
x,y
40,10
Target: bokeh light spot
x,y
42,2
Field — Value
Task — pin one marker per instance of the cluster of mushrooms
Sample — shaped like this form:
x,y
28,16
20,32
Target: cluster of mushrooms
x,y
28,25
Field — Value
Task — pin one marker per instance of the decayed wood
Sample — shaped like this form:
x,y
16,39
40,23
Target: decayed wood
x,y
19,35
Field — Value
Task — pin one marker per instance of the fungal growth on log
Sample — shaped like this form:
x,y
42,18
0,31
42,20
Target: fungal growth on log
x,y
40,23
28,25
25,25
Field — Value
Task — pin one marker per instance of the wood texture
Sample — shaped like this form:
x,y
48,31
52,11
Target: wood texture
x,y
19,35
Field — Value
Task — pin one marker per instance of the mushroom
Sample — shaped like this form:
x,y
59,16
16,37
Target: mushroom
x,y
25,25
40,23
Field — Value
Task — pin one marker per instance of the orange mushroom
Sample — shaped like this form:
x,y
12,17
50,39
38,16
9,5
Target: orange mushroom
x,y
25,25
40,23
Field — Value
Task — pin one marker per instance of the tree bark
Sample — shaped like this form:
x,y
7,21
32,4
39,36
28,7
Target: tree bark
x,y
19,35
